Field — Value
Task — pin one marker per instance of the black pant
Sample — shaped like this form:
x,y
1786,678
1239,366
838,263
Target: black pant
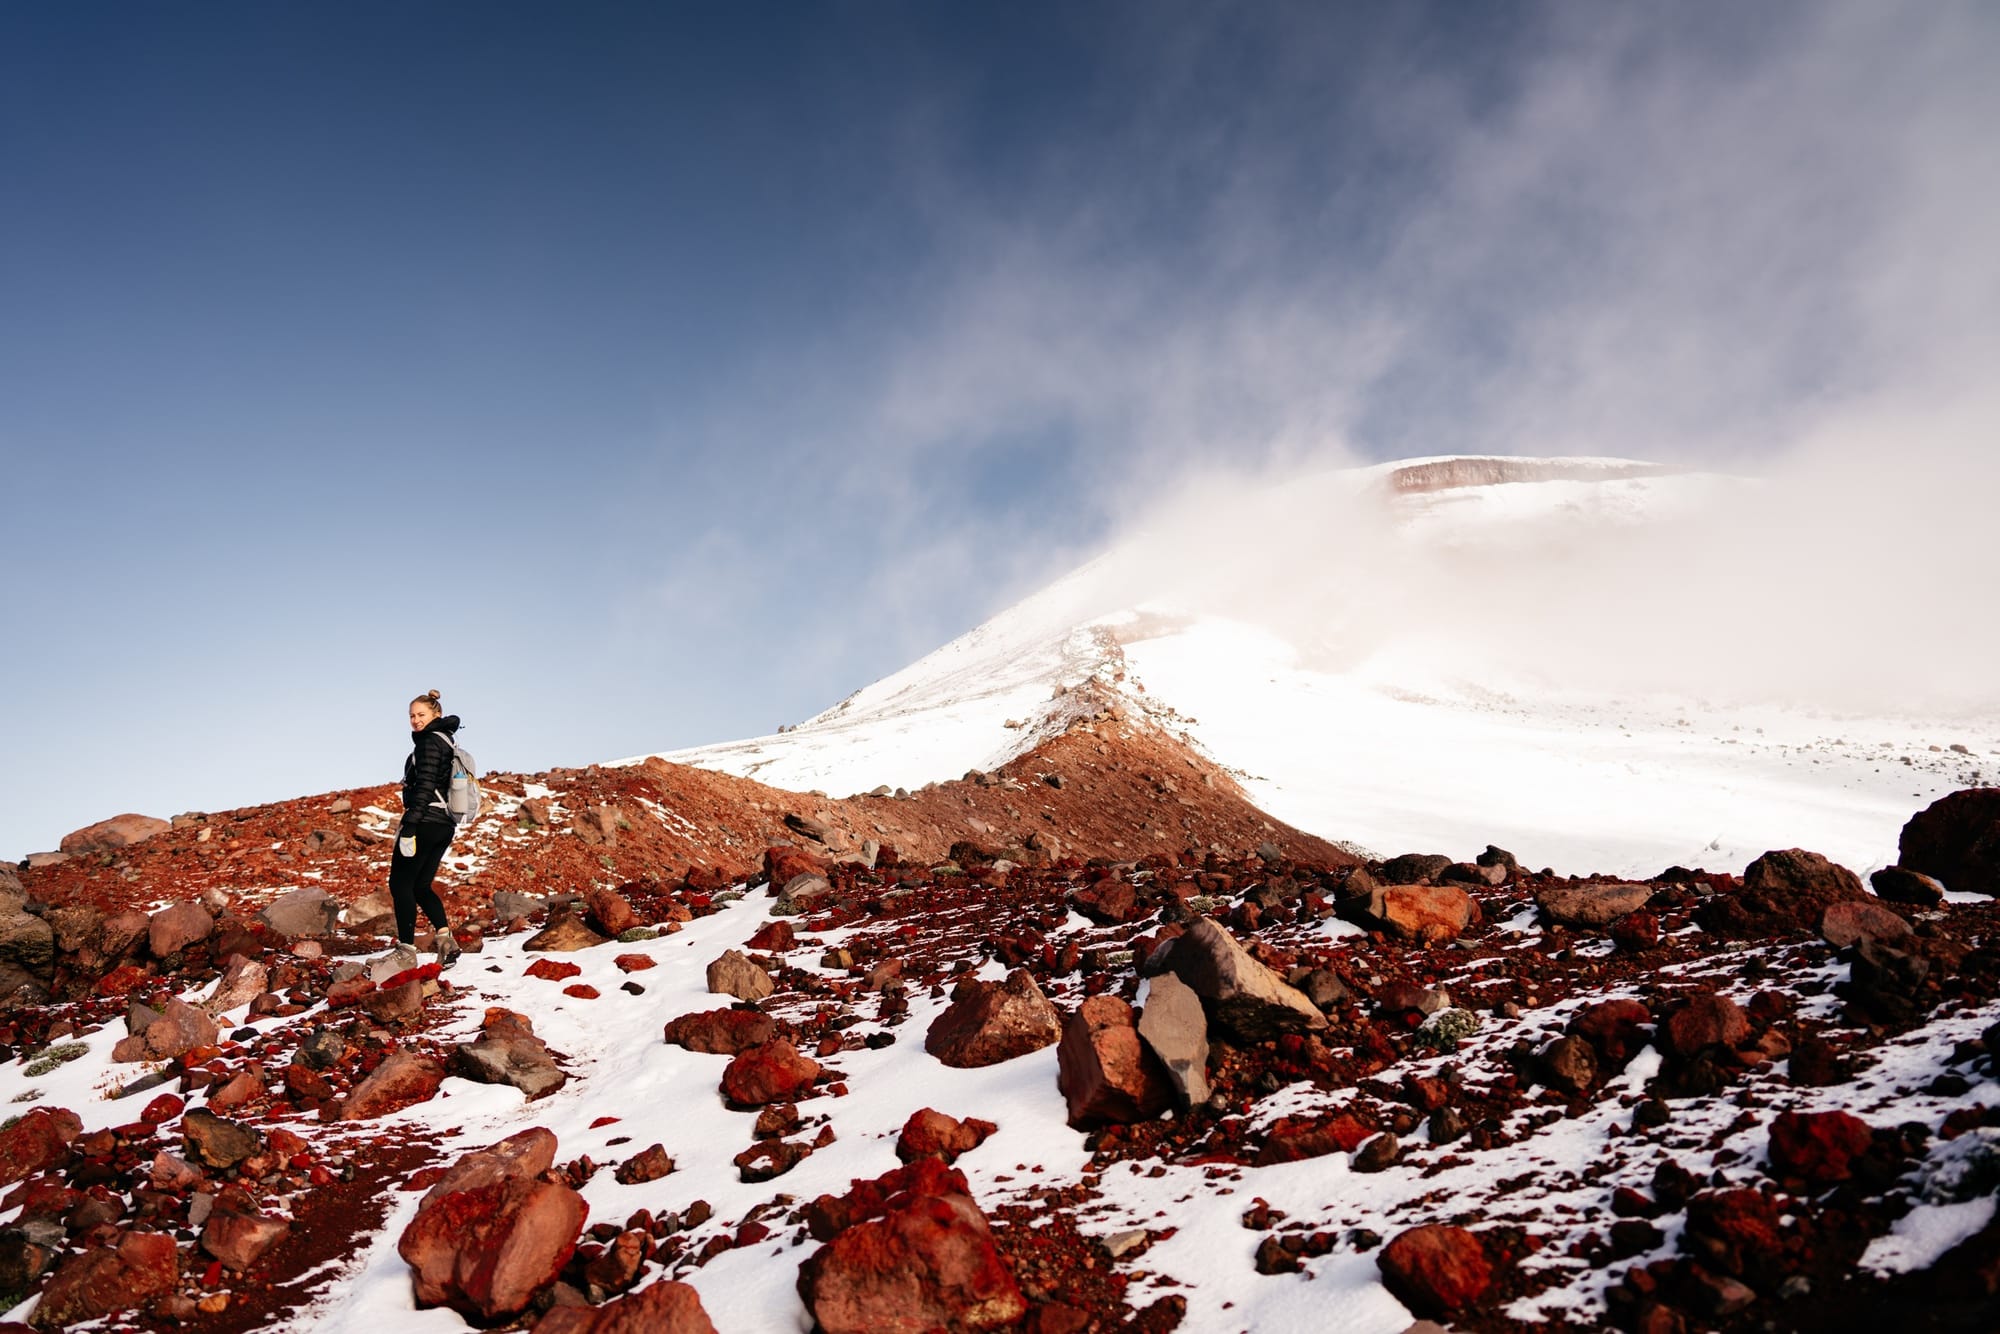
x,y
410,880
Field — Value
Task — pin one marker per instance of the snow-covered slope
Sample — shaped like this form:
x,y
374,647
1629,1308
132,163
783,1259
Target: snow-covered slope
x,y
1431,655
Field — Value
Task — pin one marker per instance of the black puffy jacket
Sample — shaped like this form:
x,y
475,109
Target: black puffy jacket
x,y
427,775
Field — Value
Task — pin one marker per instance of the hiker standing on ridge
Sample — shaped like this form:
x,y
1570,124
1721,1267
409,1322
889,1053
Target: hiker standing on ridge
x,y
426,829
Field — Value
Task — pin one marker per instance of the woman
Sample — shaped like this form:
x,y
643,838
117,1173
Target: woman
x,y
426,830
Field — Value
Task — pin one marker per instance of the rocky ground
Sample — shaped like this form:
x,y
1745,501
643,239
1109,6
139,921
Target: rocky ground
x,y
1088,1044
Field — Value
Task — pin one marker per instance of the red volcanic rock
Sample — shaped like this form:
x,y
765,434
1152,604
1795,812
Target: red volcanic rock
x,y
1569,1065
921,1259
179,1029
609,911
990,1022
1592,905
785,863
237,1233
1436,1269
349,990
1174,1028
120,831
932,1134
163,1108
122,980
173,929
122,933
1293,1139
402,1080
635,963
396,1006
37,1141
1616,1028
646,1165
1707,1020
1244,996
303,1085
144,1265
553,970
566,932
1735,1231
1786,890
733,974
774,938
508,1052
770,1159
1424,913
1818,1146
1956,839
721,1032
772,1072
244,1089
492,1234
1109,903
1102,1070
666,1307
1855,919
1635,932
216,1142
1899,884
581,991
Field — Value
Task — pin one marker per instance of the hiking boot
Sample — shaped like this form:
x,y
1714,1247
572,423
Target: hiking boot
x,y
398,960
447,949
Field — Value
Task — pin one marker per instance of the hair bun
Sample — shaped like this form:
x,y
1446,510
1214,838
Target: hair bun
x,y
433,697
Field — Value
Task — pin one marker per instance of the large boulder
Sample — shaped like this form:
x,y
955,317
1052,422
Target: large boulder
x,y
1956,839
508,1052
27,942
1430,914
96,1282
302,913
1899,884
1413,868
931,1134
907,1254
1105,1075
990,1022
242,981
666,1307
1783,891
238,1233
721,1032
609,912
404,1079
173,929
176,1030
733,974
1436,1269
1175,1028
566,932
216,1141
492,1234
37,1141
108,835
1706,1020
1591,906
1242,994
1851,920
1818,1146
774,1072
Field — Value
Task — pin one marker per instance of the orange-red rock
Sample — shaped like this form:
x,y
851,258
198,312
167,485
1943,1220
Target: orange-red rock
x,y
1436,1269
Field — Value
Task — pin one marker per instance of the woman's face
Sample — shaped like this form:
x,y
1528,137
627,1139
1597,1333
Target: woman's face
x,y
421,714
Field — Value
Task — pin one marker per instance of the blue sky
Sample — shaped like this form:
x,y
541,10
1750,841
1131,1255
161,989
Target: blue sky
x,y
649,375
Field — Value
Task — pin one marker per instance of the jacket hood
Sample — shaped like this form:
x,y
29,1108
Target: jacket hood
x,y
447,724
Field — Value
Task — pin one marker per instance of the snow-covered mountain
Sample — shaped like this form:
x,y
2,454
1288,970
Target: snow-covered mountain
x,y
1432,655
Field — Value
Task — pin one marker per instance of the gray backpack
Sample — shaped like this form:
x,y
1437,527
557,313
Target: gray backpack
x,y
461,797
